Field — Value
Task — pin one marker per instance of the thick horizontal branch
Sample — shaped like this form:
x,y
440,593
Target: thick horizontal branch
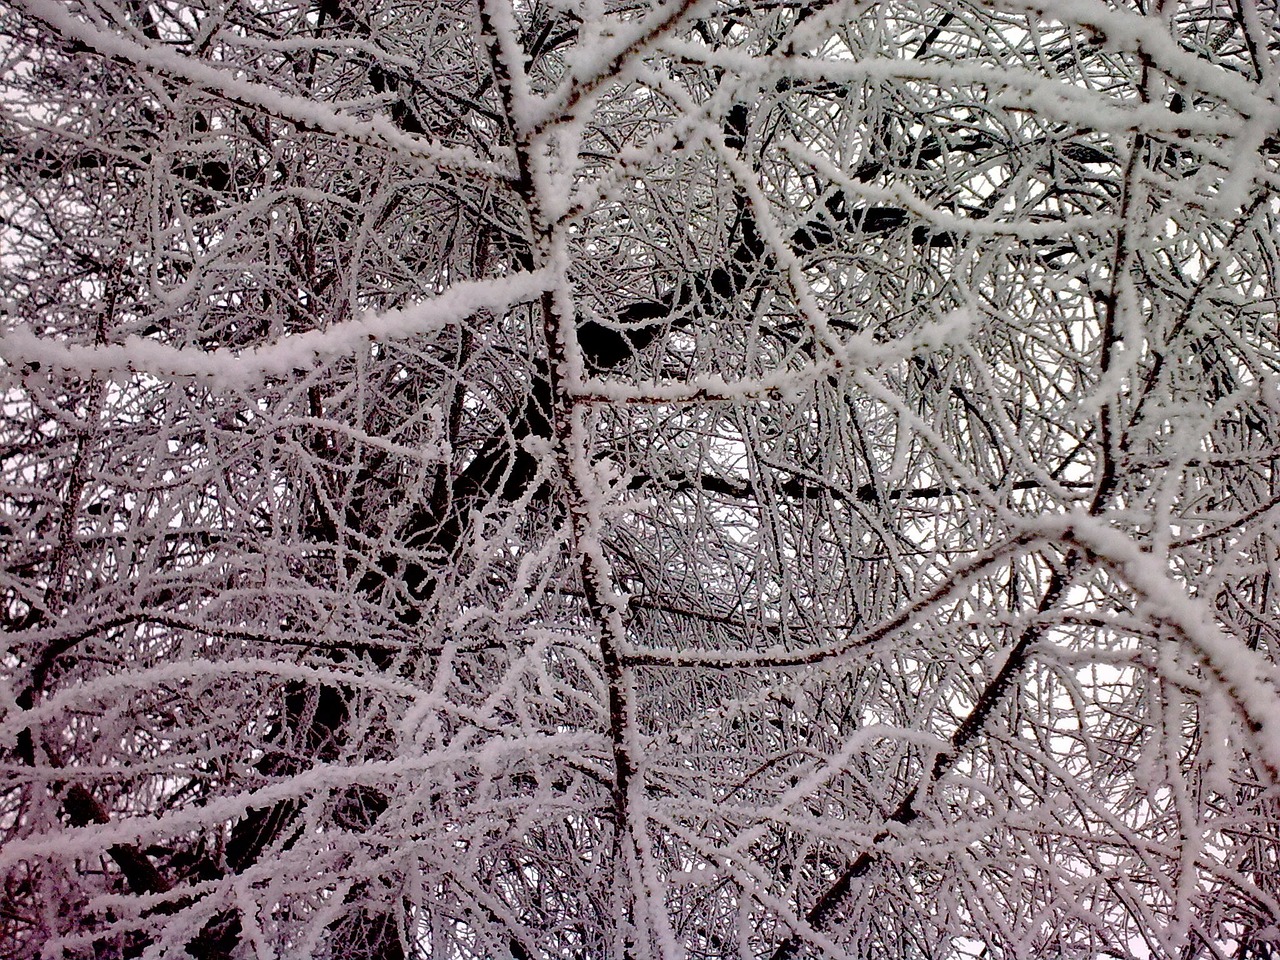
x,y
803,488
285,356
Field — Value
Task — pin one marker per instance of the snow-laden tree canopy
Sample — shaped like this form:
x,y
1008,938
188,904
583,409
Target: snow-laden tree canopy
x,y
608,479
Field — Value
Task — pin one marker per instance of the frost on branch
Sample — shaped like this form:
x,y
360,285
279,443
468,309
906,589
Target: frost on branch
x,y
639,480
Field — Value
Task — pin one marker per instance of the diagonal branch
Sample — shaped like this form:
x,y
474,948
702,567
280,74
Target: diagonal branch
x,y
831,900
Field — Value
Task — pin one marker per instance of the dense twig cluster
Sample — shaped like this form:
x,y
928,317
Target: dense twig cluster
x,y
608,479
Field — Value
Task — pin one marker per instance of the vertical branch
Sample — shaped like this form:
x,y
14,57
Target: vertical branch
x,y
571,440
